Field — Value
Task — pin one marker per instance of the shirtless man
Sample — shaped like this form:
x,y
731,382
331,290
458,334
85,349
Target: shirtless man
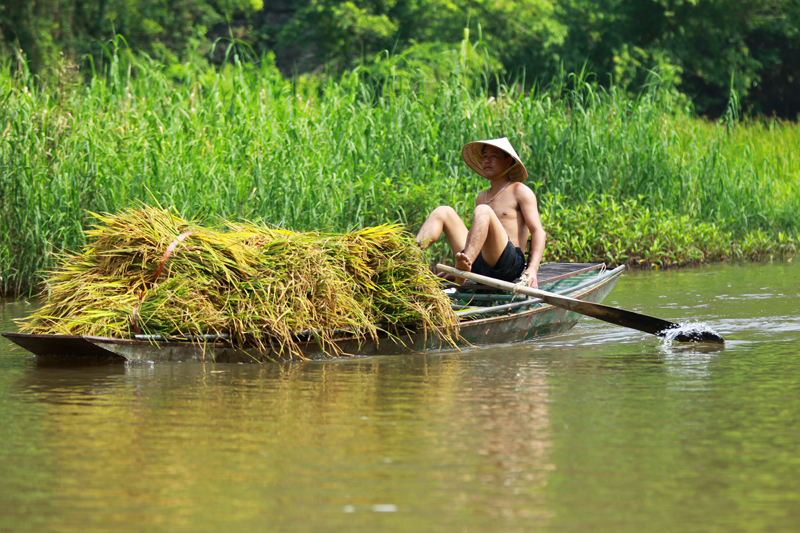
x,y
505,214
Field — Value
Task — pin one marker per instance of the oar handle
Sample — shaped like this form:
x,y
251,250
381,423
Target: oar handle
x,y
566,301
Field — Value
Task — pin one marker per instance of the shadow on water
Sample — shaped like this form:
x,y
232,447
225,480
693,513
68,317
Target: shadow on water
x,y
70,383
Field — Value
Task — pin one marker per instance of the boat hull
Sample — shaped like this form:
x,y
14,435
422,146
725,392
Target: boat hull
x,y
541,319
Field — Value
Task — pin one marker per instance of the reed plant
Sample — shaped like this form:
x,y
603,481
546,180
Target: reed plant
x,y
148,270
334,154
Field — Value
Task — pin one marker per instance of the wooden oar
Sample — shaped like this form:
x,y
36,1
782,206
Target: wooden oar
x,y
620,317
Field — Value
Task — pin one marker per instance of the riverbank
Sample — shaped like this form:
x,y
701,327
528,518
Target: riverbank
x,y
619,179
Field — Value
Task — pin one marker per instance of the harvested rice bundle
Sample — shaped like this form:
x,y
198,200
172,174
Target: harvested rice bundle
x,y
400,282
299,287
149,270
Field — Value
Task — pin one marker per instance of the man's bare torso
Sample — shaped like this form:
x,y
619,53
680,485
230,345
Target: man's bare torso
x,y
507,209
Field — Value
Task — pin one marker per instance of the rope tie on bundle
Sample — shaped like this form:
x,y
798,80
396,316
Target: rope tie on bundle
x,y
174,244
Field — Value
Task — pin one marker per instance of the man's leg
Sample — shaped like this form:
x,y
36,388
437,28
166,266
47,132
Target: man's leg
x,y
443,219
486,235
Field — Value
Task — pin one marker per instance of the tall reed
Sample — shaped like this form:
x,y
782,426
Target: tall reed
x,y
335,154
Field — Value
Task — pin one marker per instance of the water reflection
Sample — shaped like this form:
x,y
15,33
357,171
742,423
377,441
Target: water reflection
x,y
516,443
178,437
600,429
690,365
59,385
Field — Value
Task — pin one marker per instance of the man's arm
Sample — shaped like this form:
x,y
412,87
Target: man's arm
x,y
530,213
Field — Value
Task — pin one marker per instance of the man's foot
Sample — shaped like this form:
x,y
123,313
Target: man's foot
x,y
462,263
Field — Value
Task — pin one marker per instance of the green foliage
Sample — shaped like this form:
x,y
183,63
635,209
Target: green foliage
x,y
351,31
342,31
629,232
316,153
164,29
695,46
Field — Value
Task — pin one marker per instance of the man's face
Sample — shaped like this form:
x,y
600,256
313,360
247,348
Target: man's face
x,y
495,161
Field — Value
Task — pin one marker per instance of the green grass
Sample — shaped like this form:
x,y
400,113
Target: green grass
x,y
333,155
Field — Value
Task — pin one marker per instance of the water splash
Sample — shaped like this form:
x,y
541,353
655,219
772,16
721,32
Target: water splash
x,y
692,332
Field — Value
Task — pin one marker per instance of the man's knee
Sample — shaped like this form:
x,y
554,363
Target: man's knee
x,y
444,212
482,210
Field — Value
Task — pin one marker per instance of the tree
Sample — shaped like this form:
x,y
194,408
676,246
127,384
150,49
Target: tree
x,y
162,28
699,44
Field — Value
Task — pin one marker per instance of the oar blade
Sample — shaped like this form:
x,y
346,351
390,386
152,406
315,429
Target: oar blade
x,y
703,335
620,317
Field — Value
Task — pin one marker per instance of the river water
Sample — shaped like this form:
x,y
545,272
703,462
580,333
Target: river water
x,y
600,429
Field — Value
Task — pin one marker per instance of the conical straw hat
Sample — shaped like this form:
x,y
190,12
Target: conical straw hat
x,y
471,153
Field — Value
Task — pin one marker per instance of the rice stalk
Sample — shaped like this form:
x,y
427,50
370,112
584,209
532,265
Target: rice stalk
x,y
257,284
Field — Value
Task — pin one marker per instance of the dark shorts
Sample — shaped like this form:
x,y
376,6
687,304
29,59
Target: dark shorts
x,y
508,268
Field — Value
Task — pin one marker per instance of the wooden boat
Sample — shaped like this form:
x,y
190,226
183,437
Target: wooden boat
x,y
486,316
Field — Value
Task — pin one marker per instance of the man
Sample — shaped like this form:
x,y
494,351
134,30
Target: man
x,y
505,214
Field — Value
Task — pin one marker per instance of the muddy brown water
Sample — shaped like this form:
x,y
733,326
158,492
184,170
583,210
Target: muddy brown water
x,y
599,429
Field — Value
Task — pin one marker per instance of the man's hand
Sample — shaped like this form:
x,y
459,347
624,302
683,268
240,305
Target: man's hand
x,y
529,279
